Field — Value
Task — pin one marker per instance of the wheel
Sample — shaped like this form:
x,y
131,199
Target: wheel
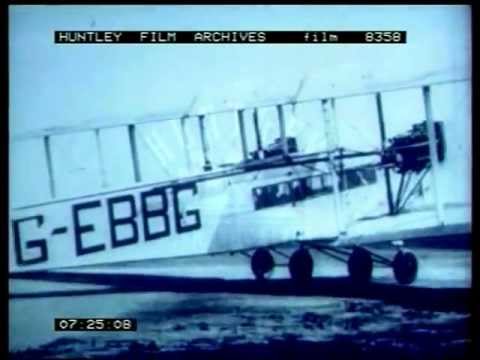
x,y
301,265
405,267
360,265
262,263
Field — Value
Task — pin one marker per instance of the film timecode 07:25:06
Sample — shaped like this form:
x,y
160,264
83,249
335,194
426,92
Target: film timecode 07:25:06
x,y
95,324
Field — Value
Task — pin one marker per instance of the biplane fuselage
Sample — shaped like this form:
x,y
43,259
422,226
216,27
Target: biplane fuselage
x,y
193,218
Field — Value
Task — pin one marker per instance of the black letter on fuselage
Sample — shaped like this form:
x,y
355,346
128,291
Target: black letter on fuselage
x,y
40,243
178,216
80,229
148,214
128,220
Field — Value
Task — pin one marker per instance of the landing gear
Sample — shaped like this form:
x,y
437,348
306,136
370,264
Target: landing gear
x,y
360,265
360,262
262,263
405,267
300,265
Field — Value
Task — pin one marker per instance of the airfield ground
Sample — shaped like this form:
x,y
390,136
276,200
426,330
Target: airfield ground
x,y
234,325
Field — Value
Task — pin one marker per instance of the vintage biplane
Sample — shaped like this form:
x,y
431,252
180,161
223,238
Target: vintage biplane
x,y
275,194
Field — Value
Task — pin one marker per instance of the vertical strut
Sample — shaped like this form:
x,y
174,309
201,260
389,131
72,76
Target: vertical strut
x,y
183,120
133,148
243,138
433,152
48,153
331,144
100,158
207,165
333,123
399,193
383,138
336,142
415,187
258,136
341,170
281,124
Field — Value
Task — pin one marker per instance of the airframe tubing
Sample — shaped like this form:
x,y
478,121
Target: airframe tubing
x,y
433,153
133,147
379,259
272,249
331,144
383,138
399,192
203,139
415,187
101,160
243,138
186,145
324,250
281,124
258,135
48,152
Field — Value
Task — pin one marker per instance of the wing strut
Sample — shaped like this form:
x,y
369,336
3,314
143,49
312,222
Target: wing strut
x,y
432,146
133,147
383,138
207,164
328,107
257,130
243,138
281,124
183,120
100,158
48,152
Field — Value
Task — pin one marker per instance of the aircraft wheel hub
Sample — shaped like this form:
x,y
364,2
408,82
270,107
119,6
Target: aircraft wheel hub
x,y
360,265
405,267
301,265
262,263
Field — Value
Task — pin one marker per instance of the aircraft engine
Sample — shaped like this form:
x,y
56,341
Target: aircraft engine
x,y
410,151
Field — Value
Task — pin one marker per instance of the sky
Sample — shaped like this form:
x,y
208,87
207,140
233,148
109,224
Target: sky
x,y
53,85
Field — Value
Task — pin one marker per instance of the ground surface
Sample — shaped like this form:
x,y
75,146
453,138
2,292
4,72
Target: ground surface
x,y
236,325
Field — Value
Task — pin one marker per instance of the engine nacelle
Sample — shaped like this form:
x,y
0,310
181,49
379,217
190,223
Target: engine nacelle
x,y
410,151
